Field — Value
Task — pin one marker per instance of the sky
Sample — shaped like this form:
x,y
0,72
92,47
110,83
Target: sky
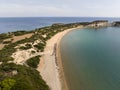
x,y
59,8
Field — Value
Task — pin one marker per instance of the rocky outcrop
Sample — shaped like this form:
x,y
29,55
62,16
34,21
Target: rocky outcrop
x,y
98,23
116,24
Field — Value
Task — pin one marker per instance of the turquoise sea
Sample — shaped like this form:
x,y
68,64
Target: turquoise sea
x,y
91,59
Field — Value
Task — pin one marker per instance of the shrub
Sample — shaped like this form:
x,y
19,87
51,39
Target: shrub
x,y
26,47
4,36
18,33
40,46
6,52
26,79
32,51
7,84
7,42
33,62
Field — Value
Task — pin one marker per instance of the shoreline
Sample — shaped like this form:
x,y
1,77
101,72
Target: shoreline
x,y
50,66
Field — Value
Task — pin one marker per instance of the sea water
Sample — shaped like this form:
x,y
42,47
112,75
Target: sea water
x,y
10,24
91,59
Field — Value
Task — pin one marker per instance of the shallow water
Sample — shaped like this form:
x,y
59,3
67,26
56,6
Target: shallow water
x,y
91,59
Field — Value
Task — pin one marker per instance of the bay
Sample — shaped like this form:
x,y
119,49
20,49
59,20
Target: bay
x,y
91,59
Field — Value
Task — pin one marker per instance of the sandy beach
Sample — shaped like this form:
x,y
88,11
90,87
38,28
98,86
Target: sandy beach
x,y
50,66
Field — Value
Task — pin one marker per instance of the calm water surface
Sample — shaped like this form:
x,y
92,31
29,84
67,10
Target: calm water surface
x,y
91,59
30,23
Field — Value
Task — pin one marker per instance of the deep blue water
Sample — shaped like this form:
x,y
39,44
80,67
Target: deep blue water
x,y
30,23
91,59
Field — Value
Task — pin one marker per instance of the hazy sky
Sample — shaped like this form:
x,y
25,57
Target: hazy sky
x,y
31,8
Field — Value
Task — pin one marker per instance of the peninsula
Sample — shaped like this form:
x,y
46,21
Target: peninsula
x,y
30,60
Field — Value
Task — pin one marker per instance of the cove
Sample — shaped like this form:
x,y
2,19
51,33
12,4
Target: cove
x,y
91,59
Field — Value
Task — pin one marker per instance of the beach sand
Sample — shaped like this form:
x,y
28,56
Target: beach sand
x,y
1,46
50,66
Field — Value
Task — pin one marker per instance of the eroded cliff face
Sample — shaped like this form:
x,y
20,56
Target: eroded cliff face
x,y
99,23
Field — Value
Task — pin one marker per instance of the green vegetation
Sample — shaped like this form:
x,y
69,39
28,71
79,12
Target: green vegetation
x,y
26,47
4,36
6,52
19,33
8,35
7,42
116,24
32,51
7,84
27,77
40,46
33,62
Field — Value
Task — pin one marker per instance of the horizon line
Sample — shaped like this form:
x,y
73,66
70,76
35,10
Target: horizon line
x,y
57,17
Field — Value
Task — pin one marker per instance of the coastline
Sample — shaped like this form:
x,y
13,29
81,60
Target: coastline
x,y
50,66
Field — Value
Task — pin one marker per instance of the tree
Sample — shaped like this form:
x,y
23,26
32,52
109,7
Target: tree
x,y
7,84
